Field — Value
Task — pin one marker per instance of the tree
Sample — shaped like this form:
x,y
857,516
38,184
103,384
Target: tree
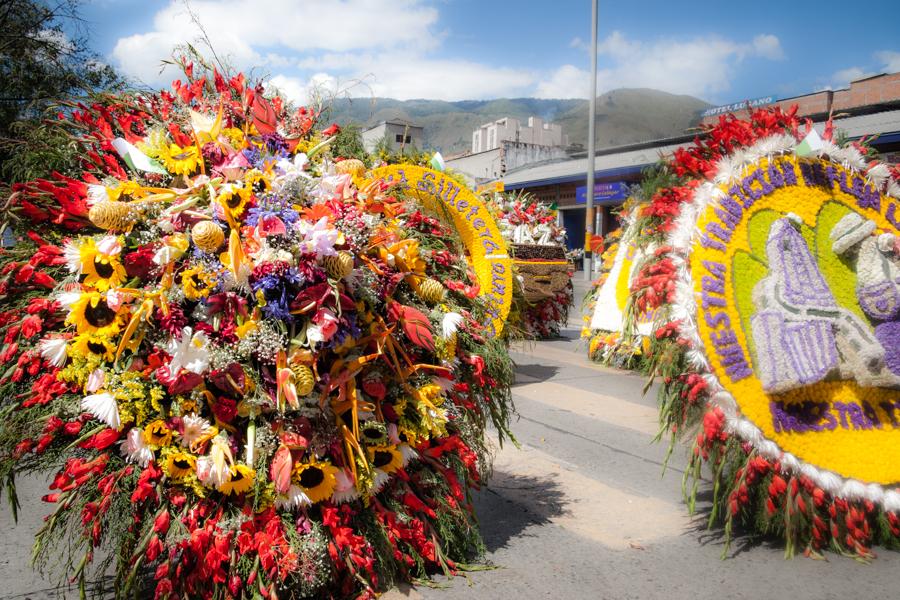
x,y
44,57
349,143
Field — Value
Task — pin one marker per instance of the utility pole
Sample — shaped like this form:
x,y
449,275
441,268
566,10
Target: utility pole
x,y
592,111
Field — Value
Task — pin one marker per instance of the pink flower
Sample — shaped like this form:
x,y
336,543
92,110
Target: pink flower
x,y
327,323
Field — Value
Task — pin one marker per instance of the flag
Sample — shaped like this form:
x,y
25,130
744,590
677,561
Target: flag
x,y
437,162
135,159
810,145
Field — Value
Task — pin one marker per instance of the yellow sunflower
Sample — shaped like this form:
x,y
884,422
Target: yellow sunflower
x,y
91,344
125,191
256,181
179,465
316,479
234,137
91,314
157,434
240,479
197,283
181,161
386,458
103,271
235,196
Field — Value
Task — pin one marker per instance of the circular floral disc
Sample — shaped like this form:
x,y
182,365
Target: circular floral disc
x,y
795,274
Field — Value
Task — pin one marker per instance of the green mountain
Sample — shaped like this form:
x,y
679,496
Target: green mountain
x,y
624,116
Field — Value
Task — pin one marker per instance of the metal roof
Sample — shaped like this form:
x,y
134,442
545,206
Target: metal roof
x,y
630,162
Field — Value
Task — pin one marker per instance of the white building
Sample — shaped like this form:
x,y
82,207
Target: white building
x,y
400,135
509,129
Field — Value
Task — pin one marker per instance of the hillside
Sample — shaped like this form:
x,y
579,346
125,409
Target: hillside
x,y
623,116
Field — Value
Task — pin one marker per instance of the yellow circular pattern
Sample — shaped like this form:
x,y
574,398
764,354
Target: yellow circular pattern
x,y
846,428
457,204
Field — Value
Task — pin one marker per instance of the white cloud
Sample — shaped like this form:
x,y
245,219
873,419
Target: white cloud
x,y
887,61
702,66
244,29
768,46
568,81
890,60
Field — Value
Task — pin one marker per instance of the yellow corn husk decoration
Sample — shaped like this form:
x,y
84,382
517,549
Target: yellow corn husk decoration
x,y
338,266
431,291
208,236
304,380
353,166
113,216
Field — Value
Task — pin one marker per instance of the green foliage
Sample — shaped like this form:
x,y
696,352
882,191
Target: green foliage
x,y
348,143
42,59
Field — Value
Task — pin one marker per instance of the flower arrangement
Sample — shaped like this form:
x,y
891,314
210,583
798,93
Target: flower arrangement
x,y
252,377
538,244
613,339
775,354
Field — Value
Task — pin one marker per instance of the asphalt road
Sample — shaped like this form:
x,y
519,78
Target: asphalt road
x,y
580,510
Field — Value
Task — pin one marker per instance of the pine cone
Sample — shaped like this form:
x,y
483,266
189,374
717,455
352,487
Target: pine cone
x,y
431,291
208,236
353,166
338,266
304,380
113,216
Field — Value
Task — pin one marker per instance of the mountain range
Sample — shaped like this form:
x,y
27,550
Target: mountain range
x,y
624,116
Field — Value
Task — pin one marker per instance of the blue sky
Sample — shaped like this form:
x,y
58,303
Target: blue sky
x,y
474,49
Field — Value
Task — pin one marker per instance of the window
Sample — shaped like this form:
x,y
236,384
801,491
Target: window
x,y
399,138
408,139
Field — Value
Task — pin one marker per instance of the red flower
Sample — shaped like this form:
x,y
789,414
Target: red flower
x,y
334,129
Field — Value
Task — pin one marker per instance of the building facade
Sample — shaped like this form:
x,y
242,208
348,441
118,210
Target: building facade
x,y
495,163
508,129
869,107
398,135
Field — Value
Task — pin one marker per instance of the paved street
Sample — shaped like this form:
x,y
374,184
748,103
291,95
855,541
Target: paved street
x,y
580,510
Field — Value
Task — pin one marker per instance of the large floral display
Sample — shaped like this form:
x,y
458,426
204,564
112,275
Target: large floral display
x,y
256,370
538,247
614,339
775,267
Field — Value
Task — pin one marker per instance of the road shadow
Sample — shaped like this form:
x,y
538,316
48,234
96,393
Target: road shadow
x,y
513,503
743,539
535,371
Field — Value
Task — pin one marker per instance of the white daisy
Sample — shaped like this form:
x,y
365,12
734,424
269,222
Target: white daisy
x,y
53,350
450,323
194,427
295,498
135,449
103,407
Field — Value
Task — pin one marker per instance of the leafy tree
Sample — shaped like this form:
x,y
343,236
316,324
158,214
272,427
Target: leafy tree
x,y
44,56
349,143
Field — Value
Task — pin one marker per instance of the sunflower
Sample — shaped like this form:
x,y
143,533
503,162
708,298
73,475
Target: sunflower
x,y
386,458
316,479
240,480
179,465
157,434
125,191
181,161
197,283
235,196
91,314
91,344
256,181
103,271
373,432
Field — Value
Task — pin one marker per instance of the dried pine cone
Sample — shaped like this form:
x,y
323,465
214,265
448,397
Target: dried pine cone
x,y
304,380
353,166
338,266
113,216
208,236
431,291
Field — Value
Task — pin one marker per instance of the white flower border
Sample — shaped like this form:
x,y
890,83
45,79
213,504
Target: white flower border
x,y
682,238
